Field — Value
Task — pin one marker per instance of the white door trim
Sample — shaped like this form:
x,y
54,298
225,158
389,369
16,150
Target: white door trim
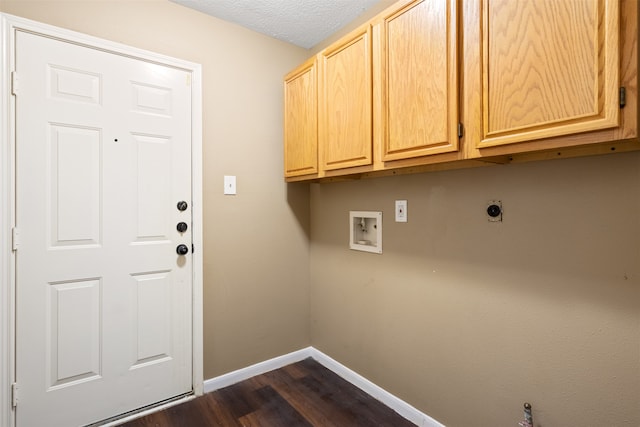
x,y
9,24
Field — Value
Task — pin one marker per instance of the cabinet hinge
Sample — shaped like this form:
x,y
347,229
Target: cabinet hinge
x,y
14,83
15,239
623,97
460,130
14,395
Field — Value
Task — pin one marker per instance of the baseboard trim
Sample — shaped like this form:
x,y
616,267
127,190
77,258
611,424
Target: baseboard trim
x,y
257,369
400,406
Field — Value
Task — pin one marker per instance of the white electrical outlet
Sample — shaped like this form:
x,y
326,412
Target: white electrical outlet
x,y
401,211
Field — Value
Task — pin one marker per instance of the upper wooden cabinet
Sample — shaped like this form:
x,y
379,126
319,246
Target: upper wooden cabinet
x,y
301,121
344,88
416,79
541,69
549,68
440,84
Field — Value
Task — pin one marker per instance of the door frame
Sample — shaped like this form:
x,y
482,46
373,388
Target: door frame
x,y
9,24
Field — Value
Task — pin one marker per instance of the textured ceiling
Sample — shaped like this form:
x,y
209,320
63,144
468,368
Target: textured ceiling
x,y
302,22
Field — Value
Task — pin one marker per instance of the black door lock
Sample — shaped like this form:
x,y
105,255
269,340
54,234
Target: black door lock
x,y
182,250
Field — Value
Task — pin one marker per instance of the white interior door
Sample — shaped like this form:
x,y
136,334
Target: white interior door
x,y
103,304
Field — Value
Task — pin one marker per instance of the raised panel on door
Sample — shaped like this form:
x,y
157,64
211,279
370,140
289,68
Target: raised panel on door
x,y
74,332
74,196
151,341
153,169
301,121
417,84
549,68
345,126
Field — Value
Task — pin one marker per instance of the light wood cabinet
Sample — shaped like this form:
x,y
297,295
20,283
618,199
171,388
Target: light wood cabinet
x,y
443,84
345,92
541,73
548,68
416,79
301,121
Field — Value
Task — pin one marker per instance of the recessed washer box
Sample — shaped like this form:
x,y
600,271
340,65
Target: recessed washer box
x,y
365,231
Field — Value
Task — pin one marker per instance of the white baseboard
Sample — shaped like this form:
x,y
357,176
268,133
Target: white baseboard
x,y
400,406
257,369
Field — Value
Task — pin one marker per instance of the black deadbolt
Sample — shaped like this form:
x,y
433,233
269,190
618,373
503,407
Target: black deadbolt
x,y
182,250
493,211
182,227
182,205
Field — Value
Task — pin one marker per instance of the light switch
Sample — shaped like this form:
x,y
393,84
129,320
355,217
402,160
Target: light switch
x,y
401,211
229,184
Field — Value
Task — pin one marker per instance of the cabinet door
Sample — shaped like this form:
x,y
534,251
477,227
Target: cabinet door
x,y
301,121
345,102
548,68
416,79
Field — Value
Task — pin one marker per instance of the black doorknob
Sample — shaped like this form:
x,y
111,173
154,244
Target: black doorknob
x,y
182,205
182,227
182,250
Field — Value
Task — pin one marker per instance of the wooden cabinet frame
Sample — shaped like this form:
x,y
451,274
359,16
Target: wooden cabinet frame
x,y
416,80
607,124
600,127
345,92
301,120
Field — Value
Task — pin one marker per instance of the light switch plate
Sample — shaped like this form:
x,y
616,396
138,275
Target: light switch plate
x,y
401,211
229,184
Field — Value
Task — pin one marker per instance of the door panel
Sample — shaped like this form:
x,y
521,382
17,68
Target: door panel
x,y
75,194
103,306
152,302
153,166
301,121
75,85
549,68
418,80
345,91
74,333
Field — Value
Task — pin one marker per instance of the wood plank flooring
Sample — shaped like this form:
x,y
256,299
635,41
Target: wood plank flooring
x,y
303,394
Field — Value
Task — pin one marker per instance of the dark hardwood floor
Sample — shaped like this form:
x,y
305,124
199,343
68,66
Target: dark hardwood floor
x,y
303,394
